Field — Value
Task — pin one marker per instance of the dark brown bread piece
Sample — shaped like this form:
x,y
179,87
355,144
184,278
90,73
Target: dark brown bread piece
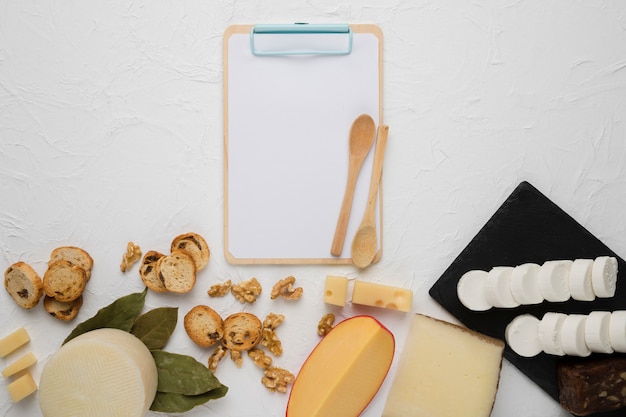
x,y
592,386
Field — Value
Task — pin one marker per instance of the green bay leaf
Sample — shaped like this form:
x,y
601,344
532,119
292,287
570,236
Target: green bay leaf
x,y
120,314
155,327
168,402
182,374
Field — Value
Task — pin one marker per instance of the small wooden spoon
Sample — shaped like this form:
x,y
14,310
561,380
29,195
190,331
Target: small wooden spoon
x,y
364,242
362,133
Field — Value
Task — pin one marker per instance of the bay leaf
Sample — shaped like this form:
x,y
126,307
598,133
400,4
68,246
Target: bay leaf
x,y
120,314
155,327
168,402
182,374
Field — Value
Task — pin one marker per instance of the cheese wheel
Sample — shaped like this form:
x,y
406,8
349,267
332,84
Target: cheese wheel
x,y
554,280
522,334
573,335
580,280
471,290
102,373
525,284
604,276
597,331
549,330
498,287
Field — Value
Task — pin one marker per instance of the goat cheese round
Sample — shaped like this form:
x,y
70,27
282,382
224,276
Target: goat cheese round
x,y
550,327
102,373
554,280
604,276
573,335
471,290
617,330
498,287
522,334
525,284
597,327
580,280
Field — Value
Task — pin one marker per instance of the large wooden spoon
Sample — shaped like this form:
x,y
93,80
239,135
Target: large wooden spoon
x,y
362,133
364,242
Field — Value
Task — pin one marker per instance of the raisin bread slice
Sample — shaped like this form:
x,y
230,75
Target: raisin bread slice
x,y
64,281
75,256
195,246
147,271
177,272
204,326
23,284
64,311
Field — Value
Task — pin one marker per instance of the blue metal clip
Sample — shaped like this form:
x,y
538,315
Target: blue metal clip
x,y
300,29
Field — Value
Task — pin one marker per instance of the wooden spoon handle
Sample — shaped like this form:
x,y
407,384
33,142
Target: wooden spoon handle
x,y
377,172
346,206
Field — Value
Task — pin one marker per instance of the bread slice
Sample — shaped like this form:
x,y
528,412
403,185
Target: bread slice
x,y
147,271
75,256
62,310
177,272
64,281
23,284
195,246
204,326
242,331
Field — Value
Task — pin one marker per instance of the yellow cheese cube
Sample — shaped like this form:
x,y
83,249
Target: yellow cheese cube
x,y
13,341
385,296
336,290
445,371
19,365
22,387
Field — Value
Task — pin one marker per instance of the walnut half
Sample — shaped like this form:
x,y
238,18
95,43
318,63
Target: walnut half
x,y
325,324
284,288
247,291
219,290
277,379
132,255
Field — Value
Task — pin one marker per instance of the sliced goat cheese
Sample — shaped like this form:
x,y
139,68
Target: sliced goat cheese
x,y
525,284
522,334
604,276
549,333
471,290
580,280
597,332
573,336
554,280
617,330
498,287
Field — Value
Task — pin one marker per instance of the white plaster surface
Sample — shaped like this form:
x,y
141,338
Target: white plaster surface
x,y
111,130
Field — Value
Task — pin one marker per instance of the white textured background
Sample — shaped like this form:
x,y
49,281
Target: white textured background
x,y
111,130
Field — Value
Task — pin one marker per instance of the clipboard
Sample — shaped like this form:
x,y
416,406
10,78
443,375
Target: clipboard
x,y
291,93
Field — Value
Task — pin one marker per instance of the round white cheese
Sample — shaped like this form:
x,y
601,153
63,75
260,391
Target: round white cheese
x,y
102,373
617,330
525,284
522,334
471,290
604,276
554,280
580,280
597,332
550,327
573,335
498,287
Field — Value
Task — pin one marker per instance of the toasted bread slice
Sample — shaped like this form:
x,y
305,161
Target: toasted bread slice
x,y
64,281
65,311
147,271
204,326
195,246
75,256
23,284
242,331
177,272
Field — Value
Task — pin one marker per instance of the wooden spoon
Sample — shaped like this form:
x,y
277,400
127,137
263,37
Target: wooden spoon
x,y
362,133
364,242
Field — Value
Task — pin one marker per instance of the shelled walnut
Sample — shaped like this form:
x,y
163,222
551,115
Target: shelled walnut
x,y
218,354
277,379
284,288
132,255
260,358
325,324
247,291
219,290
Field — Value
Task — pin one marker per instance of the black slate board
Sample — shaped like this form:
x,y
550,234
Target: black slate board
x,y
528,227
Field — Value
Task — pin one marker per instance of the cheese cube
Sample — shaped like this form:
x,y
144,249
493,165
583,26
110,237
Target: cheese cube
x,y
336,290
445,370
385,296
22,387
13,341
19,365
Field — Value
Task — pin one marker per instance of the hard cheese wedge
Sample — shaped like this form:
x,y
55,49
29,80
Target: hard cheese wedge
x,y
445,371
344,371
102,373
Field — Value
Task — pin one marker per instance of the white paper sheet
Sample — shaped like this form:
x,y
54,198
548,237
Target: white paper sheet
x,y
287,147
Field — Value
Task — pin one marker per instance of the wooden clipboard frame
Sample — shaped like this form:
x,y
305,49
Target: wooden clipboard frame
x,y
240,29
